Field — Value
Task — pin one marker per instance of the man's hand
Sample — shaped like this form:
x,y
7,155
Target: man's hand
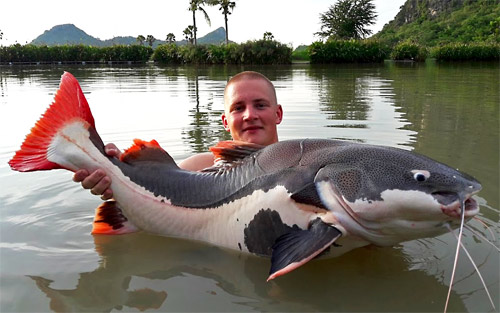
x,y
97,181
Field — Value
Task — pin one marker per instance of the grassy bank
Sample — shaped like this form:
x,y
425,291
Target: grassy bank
x,y
342,51
466,52
74,53
251,52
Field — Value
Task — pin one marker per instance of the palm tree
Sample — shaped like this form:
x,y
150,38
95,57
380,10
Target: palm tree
x,y
170,38
196,5
226,6
268,36
140,39
150,39
188,33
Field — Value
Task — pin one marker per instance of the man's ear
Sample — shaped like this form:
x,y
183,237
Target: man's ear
x,y
224,122
279,114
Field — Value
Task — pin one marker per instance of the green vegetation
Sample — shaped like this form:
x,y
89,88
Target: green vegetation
x,y
301,53
409,51
347,19
466,52
343,51
466,22
251,52
74,53
170,38
141,39
150,39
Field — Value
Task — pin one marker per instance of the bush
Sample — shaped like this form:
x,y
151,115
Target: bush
x,y
347,51
74,53
301,54
168,53
409,51
467,52
251,52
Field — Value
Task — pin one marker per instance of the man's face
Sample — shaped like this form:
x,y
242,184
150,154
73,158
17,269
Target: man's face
x,y
251,112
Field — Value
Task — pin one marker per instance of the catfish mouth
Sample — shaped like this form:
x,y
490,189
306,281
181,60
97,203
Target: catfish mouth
x,y
451,204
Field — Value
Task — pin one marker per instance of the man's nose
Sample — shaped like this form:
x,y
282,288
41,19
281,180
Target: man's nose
x,y
250,113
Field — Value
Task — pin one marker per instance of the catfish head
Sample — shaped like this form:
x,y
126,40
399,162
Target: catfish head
x,y
387,195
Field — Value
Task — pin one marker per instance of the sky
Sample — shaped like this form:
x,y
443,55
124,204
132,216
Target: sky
x,y
290,21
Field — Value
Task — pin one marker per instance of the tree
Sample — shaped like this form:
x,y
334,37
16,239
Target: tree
x,y
268,36
140,39
226,6
1,34
150,39
170,38
347,19
189,34
197,5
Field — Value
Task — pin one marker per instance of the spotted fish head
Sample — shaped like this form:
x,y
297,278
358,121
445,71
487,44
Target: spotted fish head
x,y
388,195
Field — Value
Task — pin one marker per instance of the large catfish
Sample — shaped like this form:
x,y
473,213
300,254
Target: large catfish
x,y
292,200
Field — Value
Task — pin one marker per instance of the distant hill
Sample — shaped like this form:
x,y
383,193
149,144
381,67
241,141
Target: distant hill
x,y
215,37
70,34
66,34
433,22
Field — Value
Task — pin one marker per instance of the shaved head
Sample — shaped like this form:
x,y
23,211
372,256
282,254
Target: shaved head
x,y
250,75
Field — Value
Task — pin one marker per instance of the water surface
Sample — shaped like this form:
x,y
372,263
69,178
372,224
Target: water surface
x,y
50,262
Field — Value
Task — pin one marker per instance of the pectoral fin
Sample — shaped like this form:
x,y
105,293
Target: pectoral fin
x,y
296,248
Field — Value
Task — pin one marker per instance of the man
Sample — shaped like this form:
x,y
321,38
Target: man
x,y
251,114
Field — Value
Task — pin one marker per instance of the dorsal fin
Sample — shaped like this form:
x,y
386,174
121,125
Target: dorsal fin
x,y
231,151
142,151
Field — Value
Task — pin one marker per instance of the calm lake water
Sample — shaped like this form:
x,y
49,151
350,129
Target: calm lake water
x,y
49,261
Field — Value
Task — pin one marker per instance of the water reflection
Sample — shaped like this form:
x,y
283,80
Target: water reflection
x,y
358,102
149,272
449,112
205,129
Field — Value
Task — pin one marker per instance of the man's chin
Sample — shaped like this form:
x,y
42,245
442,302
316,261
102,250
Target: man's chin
x,y
255,139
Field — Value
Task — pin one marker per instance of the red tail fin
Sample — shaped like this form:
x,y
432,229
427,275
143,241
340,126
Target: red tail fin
x,y
69,104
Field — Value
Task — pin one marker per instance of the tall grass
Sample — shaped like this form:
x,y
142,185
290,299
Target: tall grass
x,y
409,51
74,53
251,52
342,51
467,52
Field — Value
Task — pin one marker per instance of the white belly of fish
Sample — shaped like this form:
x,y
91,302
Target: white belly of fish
x,y
222,226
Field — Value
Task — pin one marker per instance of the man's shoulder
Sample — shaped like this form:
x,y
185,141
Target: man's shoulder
x,y
198,162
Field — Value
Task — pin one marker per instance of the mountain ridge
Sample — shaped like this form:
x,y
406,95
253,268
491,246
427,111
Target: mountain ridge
x,y
70,34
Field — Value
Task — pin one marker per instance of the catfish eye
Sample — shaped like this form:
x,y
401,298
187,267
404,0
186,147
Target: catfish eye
x,y
421,175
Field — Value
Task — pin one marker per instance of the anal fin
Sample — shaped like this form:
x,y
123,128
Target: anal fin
x,y
296,248
109,220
